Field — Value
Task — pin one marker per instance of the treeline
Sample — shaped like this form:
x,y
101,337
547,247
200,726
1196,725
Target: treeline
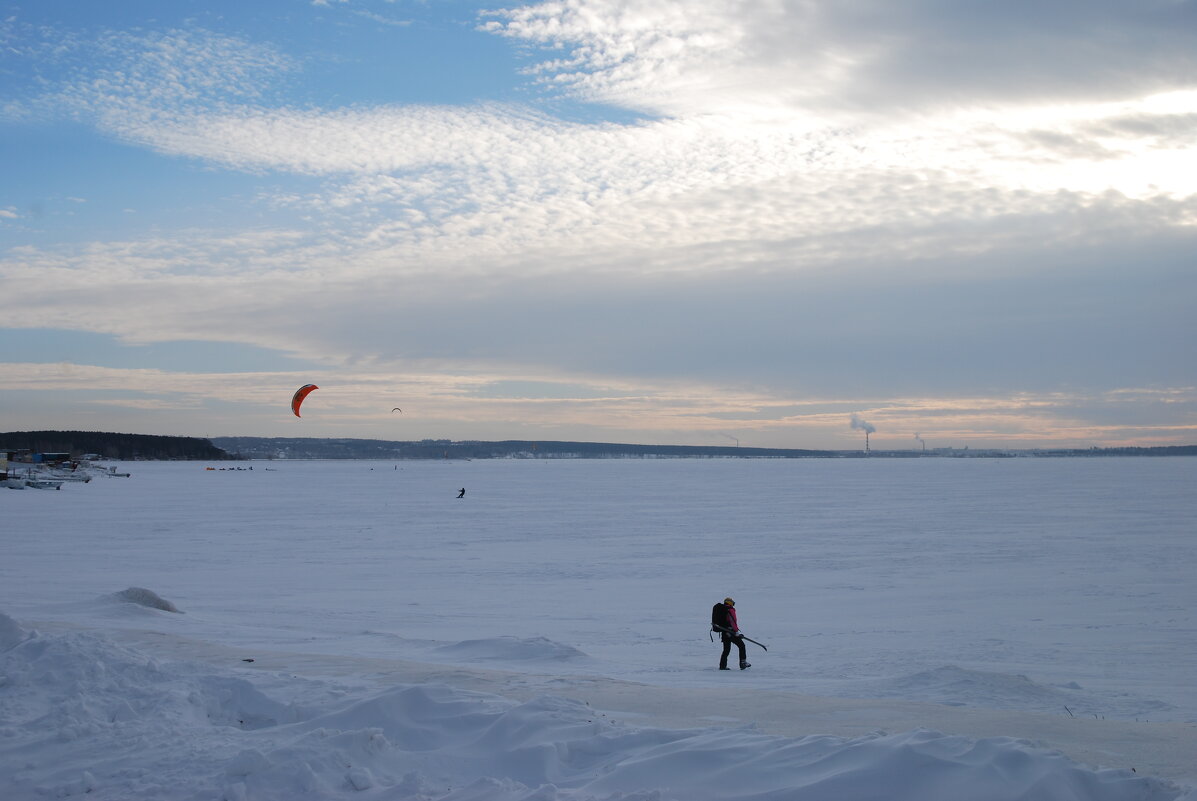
x,y
147,446
1159,450
316,448
113,446
329,448
1162,450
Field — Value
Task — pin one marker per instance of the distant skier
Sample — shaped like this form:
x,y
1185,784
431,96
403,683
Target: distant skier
x,y
462,493
723,620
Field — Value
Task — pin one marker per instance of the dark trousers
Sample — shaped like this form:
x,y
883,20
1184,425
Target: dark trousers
x,y
728,639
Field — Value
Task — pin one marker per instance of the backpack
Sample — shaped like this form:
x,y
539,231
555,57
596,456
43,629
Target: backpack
x,y
720,620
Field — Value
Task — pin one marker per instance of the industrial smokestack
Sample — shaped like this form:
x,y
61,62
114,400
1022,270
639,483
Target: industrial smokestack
x,y
863,425
920,439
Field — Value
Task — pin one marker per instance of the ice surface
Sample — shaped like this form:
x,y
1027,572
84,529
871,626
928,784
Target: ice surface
x,y
937,629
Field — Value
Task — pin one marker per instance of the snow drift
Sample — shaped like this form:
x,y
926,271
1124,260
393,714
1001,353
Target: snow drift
x,y
85,715
956,686
510,649
143,597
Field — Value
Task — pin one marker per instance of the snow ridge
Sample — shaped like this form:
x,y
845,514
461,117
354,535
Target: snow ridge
x,y
85,715
956,686
511,649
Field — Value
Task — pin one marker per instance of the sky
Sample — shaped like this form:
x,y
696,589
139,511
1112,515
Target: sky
x,y
703,223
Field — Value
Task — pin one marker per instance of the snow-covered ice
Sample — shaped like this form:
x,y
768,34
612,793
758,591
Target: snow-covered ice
x,y
937,629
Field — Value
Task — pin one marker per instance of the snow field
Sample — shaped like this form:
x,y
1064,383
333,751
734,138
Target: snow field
x,y
544,638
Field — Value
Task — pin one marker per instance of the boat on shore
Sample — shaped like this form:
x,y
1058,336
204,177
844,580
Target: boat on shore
x,y
77,475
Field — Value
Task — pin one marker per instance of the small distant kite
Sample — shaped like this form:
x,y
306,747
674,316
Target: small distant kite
x,y
396,409
299,395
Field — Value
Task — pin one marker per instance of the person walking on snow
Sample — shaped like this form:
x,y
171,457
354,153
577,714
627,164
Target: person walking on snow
x,y
723,619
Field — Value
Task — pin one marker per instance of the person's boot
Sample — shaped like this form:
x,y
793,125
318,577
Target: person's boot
x,y
723,666
744,665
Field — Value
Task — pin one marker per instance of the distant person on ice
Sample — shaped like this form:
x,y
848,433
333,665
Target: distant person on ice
x,y
723,620
462,493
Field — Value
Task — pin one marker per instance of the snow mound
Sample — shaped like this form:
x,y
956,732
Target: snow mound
x,y
11,632
144,597
82,715
511,649
81,682
554,749
956,686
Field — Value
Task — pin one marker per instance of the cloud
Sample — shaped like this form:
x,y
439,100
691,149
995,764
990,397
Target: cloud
x,y
358,402
1026,314
199,94
112,77
505,182
380,19
676,58
819,201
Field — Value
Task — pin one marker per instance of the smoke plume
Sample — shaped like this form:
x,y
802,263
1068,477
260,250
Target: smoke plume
x,y
860,424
